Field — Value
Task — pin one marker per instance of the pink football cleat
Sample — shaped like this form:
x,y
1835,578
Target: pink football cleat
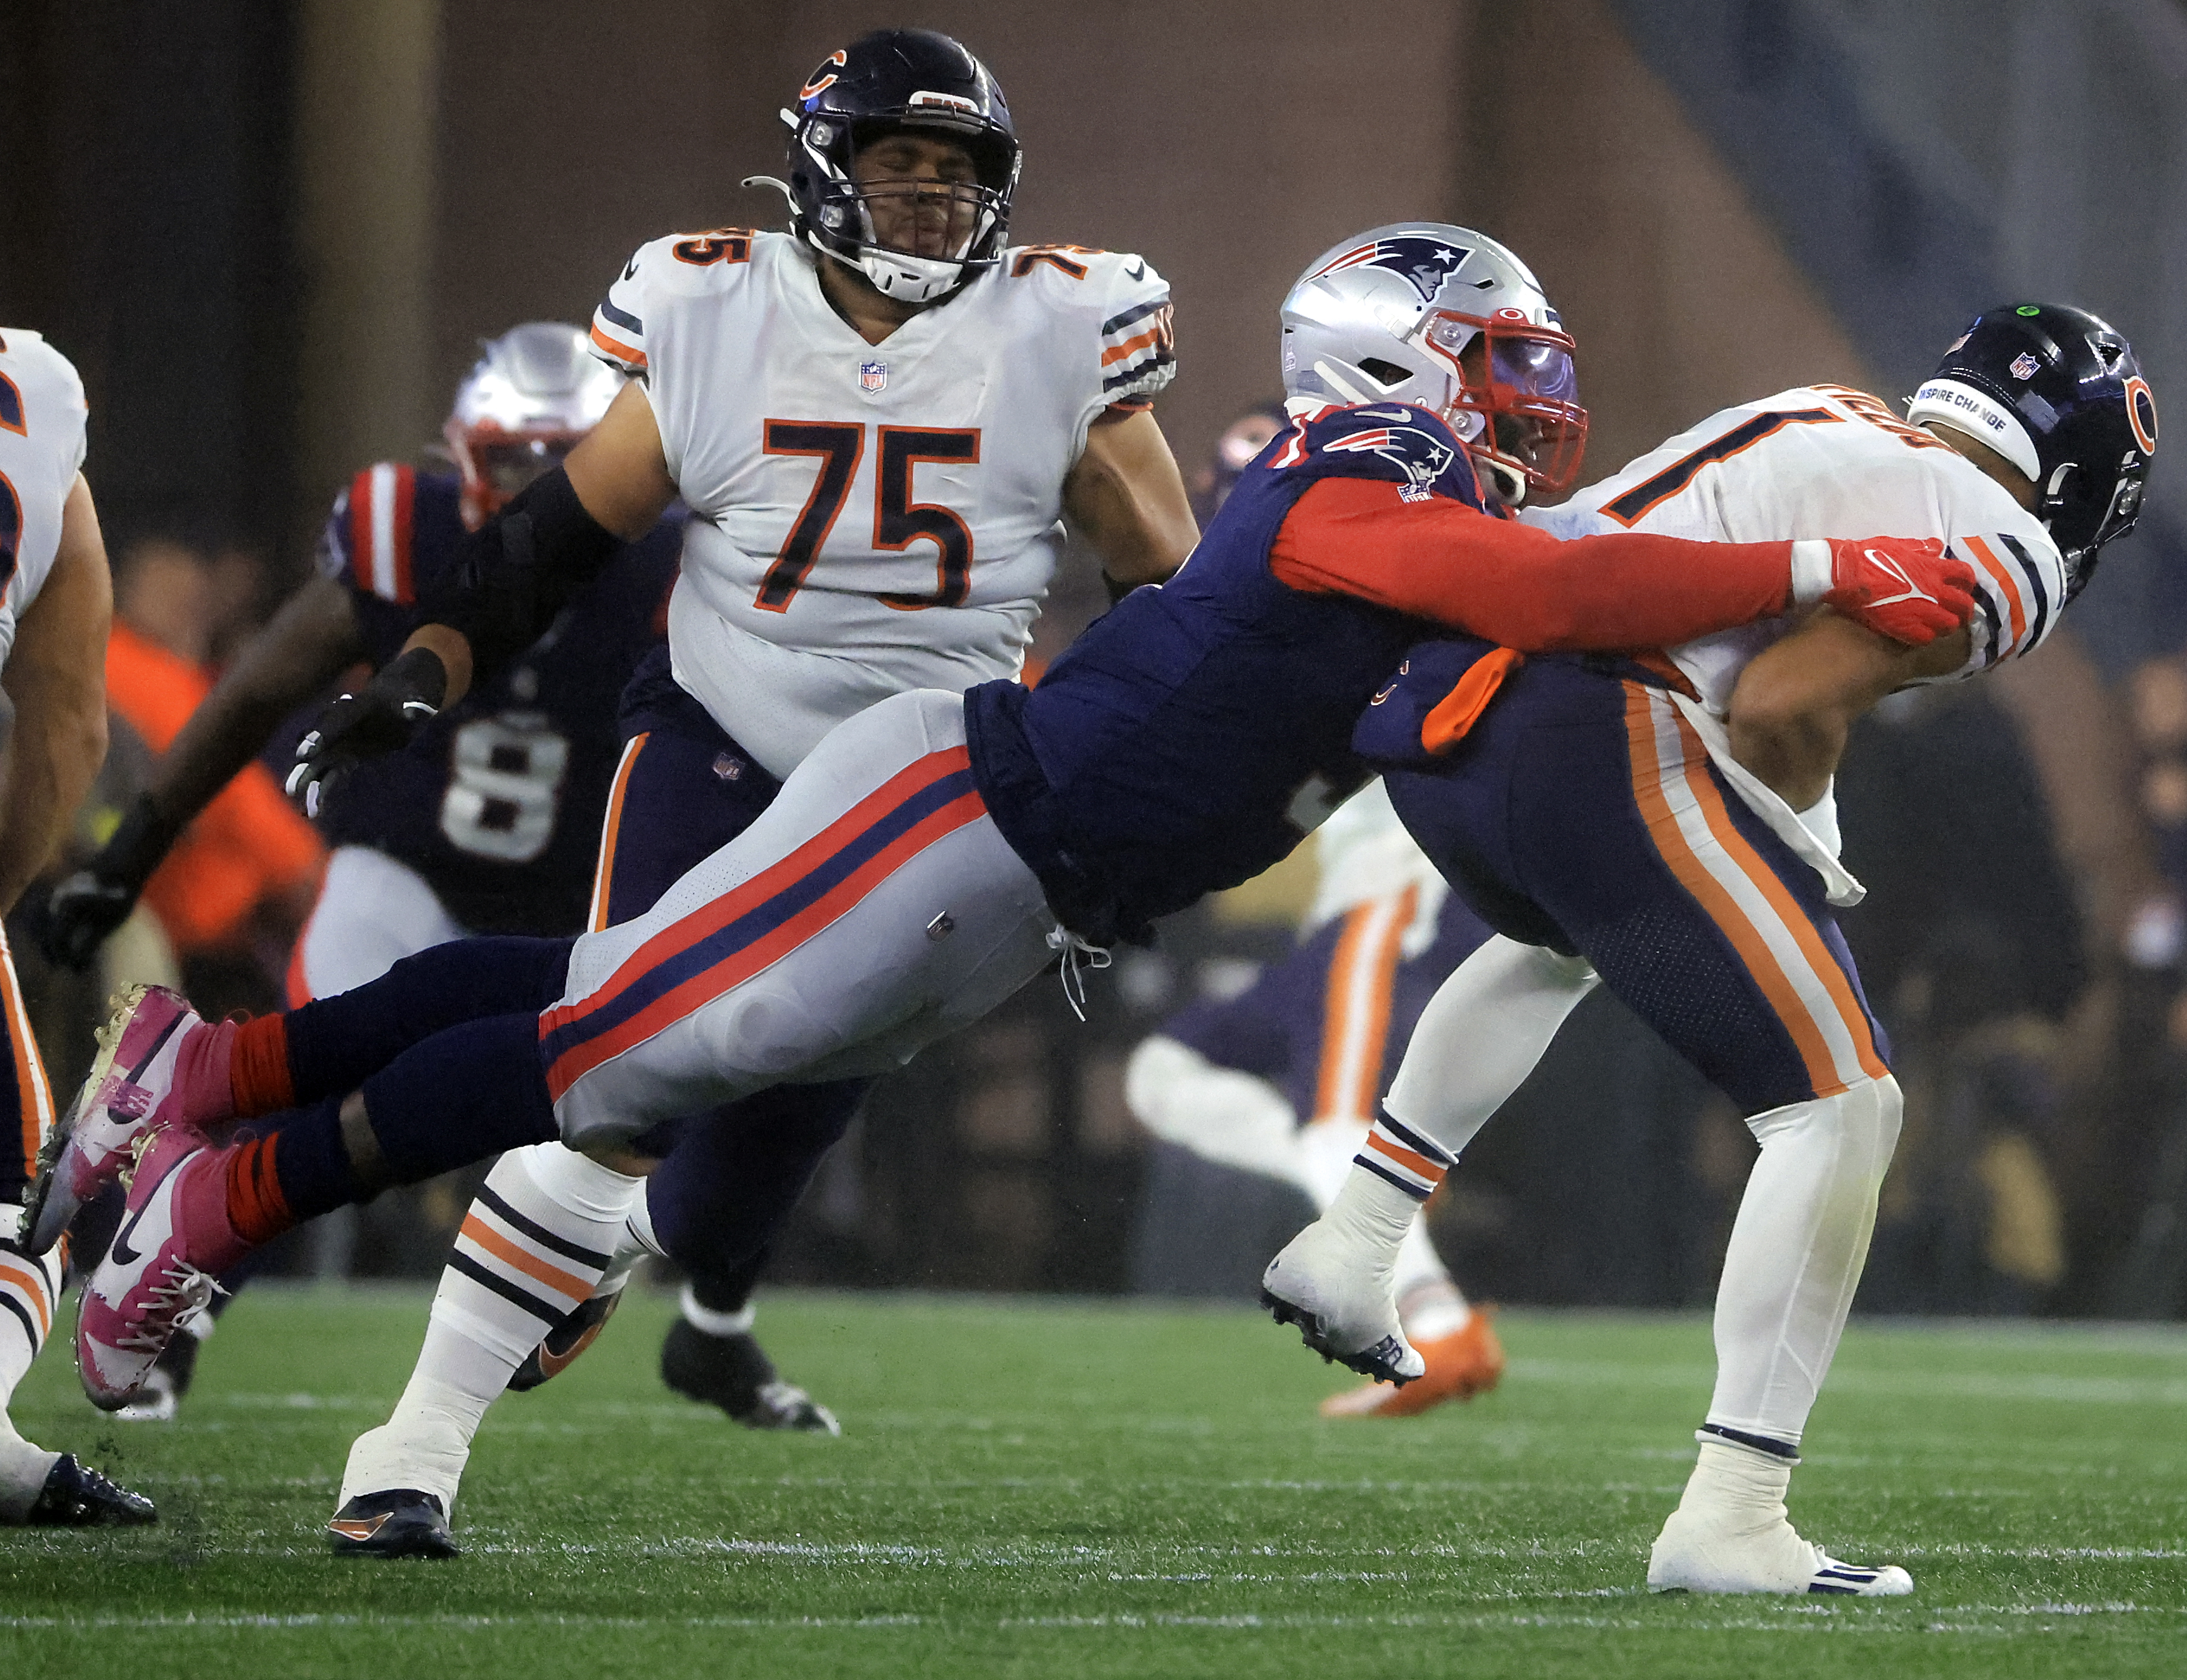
x,y
117,1109
175,1239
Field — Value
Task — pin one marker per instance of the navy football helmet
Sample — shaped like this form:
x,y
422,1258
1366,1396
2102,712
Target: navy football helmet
x,y
1446,318
890,80
2058,394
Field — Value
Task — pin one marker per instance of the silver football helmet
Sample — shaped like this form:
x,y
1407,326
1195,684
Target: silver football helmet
x,y
1446,318
535,391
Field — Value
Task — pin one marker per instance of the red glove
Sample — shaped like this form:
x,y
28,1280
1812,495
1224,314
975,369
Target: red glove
x,y
1908,588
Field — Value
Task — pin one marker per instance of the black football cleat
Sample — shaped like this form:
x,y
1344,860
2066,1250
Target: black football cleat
x,y
76,1496
579,1327
734,1374
400,1523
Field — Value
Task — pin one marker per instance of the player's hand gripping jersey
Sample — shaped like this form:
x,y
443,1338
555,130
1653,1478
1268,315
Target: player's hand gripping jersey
x,y
1207,727
1826,461
42,449
868,519
497,802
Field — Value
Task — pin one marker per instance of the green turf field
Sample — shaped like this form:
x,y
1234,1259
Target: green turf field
x,y
1049,1489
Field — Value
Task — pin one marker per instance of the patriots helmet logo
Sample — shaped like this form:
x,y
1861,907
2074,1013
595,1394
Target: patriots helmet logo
x,y
1423,456
1426,262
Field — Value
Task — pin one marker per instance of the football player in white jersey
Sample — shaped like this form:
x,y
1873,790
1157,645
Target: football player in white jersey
x,y
877,421
55,599
2026,451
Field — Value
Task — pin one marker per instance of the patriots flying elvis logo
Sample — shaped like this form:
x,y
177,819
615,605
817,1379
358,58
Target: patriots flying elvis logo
x,y
1421,453
1426,262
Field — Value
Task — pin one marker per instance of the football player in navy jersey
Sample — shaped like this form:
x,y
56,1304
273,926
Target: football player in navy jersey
x,y
936,851
489,820
1663,824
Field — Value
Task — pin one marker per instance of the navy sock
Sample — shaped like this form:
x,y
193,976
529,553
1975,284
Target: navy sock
x,y
734,1176
336,1044
461,1096
309,1160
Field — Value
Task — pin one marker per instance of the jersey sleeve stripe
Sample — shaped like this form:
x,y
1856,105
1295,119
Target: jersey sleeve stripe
x,y
1989,563
378,531
1983,590
622,317
1132,347
1116,324
1149,374
621,352
406,491
360,528
2025,561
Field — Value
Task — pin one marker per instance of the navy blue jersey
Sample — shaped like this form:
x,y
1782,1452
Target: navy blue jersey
x,y
1202,728
497,803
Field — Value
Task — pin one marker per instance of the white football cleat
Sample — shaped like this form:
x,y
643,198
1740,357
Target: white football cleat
x,y
1341,1295
1693,1554
1730,1535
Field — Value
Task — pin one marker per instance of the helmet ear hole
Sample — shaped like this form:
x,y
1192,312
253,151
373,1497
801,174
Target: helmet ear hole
x,y
1388,375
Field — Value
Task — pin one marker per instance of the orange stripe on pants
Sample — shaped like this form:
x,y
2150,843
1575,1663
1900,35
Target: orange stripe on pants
x,y
1355,1023
35,1102
1717,902
611,831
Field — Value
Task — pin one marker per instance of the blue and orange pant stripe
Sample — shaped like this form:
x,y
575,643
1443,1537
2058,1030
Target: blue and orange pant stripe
x,y
706,953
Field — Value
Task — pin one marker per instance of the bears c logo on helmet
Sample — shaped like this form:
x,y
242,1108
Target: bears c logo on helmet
x,y
1427,263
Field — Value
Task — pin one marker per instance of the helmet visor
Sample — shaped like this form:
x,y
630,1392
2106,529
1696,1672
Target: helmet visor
x,y
1521,377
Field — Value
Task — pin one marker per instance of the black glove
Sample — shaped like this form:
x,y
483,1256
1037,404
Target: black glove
x,y
392,708
78,914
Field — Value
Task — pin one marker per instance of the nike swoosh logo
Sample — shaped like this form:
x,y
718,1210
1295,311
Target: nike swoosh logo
x,y
630,269
122,1253
554,1365
355,1528
1137,271
1885,564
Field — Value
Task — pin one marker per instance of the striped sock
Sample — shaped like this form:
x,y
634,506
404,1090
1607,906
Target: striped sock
x,y
30,1293
1414,1163
29,1289
544,1229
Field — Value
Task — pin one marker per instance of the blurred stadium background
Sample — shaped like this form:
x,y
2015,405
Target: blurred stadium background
x,y
271,233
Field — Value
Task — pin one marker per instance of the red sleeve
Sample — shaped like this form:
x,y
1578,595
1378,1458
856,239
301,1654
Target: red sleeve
x,y
1510,583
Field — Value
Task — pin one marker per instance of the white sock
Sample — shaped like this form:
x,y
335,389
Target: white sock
x,y
545,1227
737,1323
30,1290
1480,1036
1795,1255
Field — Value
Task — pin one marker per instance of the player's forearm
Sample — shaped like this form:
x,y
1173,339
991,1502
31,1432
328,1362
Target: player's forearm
x,y
58,744
1512,584
518,570
1128,496
1796,756
310,641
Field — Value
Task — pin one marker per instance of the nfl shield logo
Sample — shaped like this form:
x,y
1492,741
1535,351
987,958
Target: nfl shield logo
x,y
2023,366
872,377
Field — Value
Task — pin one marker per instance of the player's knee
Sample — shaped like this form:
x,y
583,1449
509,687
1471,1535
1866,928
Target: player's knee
x,y
1862,1121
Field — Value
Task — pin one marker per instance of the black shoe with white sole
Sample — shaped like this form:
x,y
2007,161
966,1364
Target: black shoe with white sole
x,y
733,1373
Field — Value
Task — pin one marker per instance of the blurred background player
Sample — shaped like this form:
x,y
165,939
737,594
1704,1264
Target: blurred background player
x,y
489,821
1284,1079
1670,823
55,603
877,420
